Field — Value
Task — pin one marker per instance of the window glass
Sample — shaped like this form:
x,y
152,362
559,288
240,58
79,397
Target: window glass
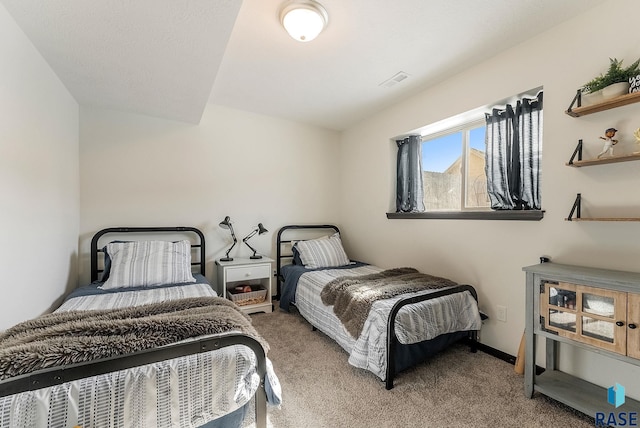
x,y
476,183
441,172
454,175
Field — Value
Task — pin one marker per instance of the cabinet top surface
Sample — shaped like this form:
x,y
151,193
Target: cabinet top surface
x,y
239,261
584,272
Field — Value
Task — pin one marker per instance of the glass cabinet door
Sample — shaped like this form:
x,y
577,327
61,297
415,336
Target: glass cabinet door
x,y
558,308
591,315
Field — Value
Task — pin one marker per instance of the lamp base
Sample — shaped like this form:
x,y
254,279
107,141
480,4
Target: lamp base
x,y
255,257
226,259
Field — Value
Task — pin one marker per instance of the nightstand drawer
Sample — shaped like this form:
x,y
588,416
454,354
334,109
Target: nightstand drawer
x,y
246,273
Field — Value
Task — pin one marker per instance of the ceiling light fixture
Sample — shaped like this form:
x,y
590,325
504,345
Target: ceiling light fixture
x,y
303,19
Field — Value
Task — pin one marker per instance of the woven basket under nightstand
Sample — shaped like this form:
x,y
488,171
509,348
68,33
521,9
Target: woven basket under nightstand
x,y
250,298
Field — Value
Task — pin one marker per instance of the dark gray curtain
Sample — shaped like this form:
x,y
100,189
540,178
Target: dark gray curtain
x,y
409,189
513,148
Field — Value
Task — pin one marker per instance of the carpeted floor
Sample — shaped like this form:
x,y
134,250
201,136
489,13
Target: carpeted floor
x,y
454,389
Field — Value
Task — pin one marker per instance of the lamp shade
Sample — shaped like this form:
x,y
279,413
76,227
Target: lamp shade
x,y
303,19
226,223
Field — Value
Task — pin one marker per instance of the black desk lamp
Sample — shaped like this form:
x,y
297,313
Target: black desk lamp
x,y
226,224
259,230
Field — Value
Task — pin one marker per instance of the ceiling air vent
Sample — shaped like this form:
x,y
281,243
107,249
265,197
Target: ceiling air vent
x,y
397,78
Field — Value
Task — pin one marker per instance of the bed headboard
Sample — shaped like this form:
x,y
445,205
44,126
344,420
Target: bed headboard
x,y
97,254
296,232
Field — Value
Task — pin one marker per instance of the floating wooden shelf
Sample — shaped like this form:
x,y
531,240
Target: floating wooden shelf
x,y
619,101
575,214
613,159
604,219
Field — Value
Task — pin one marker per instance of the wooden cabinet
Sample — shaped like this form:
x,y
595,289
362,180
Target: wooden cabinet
x,y
593,309
633,339
253,273
590,315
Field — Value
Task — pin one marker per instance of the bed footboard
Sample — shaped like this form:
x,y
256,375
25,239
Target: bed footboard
x,y
392,340
61,374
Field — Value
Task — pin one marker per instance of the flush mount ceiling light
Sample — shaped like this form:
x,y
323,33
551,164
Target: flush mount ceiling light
x,y
303,19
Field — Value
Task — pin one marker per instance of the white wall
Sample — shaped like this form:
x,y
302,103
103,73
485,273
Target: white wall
x,y
39,180
142,171
490,254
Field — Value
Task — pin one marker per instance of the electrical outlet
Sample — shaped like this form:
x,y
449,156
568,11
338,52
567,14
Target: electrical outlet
x,y
501,313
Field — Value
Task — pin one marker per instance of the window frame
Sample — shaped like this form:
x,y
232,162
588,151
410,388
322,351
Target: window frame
x,y
448,126
465,129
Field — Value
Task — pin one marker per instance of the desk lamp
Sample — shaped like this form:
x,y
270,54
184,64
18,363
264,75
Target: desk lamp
x,y
259,230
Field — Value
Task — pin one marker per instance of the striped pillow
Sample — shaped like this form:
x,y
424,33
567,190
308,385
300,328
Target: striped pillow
x,y
322,252
148,264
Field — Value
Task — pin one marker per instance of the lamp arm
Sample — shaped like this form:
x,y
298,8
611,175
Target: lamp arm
x,y
233,235
252,249
246,238
230,248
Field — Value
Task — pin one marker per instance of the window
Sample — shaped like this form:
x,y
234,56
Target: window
x,y
482,164
453,169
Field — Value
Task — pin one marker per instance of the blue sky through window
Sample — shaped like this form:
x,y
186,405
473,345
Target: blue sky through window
x,y
438,154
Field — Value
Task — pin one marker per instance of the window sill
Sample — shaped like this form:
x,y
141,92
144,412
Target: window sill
x,y
528,215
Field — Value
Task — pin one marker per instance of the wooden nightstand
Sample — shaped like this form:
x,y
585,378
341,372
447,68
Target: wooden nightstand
x,y
256,273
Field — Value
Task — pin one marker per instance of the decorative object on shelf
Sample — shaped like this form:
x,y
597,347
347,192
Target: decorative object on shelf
x,y
591,98
615,82
226,224
634,84
609,142
636,134
579,162
303,19
259,230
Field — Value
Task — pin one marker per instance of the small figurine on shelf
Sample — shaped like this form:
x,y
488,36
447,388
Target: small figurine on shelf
x,y
636,134
609,142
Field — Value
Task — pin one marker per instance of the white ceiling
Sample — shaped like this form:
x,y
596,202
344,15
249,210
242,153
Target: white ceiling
x,y
166,58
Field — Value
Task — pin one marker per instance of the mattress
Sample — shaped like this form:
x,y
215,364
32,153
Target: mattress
x,y
415,323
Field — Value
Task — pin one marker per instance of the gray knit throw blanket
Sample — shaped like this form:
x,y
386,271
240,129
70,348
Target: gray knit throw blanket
x,y
62,338
353,296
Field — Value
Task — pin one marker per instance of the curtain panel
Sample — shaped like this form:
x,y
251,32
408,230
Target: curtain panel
x,y
409,187
513,149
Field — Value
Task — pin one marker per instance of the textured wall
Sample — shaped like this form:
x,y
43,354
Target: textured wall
x,y
39,180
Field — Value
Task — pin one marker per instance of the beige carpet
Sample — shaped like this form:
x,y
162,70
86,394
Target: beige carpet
x,y
454,389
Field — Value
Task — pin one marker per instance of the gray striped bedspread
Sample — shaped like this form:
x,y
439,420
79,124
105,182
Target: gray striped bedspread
x,y
414,323
183,392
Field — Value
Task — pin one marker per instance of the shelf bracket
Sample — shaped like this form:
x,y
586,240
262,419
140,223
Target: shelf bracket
x,y
577,151
576,100
576,207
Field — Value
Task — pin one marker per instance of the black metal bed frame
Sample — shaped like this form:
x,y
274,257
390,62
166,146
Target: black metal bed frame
x,y
58,375
95,251
392,340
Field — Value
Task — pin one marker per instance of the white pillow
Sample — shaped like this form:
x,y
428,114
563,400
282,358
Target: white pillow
x,y
322,252
148,264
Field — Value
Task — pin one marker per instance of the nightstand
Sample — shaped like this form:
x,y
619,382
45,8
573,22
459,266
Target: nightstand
x,y
256,273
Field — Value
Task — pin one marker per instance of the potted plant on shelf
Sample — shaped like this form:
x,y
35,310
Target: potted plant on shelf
x,y
612,84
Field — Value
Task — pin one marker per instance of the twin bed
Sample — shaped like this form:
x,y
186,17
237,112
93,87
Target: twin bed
x,y
411,316
146,344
